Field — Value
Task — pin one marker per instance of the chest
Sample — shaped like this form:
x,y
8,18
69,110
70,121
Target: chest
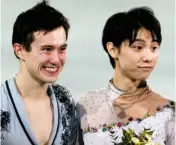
x,y
40,116
136,110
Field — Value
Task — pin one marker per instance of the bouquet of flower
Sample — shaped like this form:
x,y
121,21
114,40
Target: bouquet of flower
x,y
130,138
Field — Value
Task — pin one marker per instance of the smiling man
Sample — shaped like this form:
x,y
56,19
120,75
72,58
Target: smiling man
x,y
35,110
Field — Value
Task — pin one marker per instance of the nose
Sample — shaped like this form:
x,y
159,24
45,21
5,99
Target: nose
x,y
55,58
147,55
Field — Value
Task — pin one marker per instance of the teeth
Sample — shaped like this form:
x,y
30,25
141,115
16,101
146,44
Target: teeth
x,y
51,69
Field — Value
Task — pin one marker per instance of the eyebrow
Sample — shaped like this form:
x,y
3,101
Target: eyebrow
x,y
64,45
52,46
141,40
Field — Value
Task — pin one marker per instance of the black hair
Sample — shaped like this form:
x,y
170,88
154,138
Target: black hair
x,y
41,17
125,26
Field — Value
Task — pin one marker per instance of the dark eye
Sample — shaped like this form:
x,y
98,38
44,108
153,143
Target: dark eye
x,y
138,48
154,48
63,48
47,49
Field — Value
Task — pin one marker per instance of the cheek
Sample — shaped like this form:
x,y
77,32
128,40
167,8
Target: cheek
x,y
43,56
155,59
62,56
40,59
130,60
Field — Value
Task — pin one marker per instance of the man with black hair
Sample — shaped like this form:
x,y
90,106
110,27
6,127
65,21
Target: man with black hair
x,y
34,110
131,39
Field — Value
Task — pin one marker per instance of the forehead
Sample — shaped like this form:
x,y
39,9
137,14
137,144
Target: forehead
x,y
56,37
144,34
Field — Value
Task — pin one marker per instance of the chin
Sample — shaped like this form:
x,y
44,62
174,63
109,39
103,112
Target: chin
x,y
143,78
52,81
49,79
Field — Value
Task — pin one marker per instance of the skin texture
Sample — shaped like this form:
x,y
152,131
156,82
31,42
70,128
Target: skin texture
x,y
134,62
39,67
48,50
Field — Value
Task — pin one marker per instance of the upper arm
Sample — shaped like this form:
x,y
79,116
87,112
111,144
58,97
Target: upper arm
x,y
170,132
82,105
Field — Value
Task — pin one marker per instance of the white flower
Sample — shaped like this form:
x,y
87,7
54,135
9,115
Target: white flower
x,y
135,140
151,143
148,137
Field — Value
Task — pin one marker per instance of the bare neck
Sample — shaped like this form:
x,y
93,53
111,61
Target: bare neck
x,y
30,88
124,83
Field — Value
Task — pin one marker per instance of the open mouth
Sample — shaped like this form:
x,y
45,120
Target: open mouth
x,y
51,70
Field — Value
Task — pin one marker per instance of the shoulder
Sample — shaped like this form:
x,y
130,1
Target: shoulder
x,y
161,101
62,93
165,116
3,88
167,110
66,100
92,97
91,101
60,89
166,105
64,96
5,109
4,97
